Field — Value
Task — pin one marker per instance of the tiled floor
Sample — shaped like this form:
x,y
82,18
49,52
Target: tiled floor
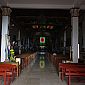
x,y
34,75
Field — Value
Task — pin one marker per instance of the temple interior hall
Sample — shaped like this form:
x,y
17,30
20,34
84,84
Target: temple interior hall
x,y
42,42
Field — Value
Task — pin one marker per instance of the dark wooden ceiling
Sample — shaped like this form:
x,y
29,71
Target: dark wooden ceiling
x,y
27,17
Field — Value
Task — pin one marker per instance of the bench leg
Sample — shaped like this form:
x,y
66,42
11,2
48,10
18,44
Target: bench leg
x,y
69,80
9,80
5,79
62,75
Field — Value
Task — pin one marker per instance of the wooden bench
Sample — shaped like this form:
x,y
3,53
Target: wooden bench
x,y
74,72
25,59
8,71
56,59
3,73
12,66
71,70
